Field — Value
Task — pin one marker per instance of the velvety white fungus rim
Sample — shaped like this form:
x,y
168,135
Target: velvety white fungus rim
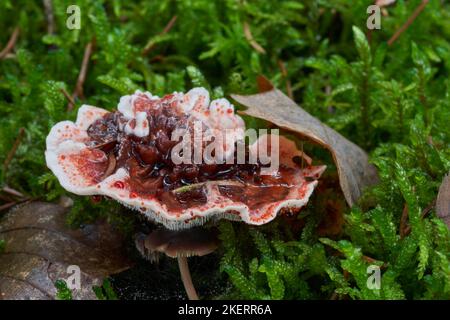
x,y
68,139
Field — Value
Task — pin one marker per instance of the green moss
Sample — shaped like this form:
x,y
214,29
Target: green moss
x,y
62,291
105,291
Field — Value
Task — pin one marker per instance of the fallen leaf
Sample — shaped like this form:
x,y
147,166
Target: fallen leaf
x,y
352,164
39,247
443,201
264,84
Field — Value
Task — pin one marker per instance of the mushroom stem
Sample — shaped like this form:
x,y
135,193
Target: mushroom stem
x,y
186,278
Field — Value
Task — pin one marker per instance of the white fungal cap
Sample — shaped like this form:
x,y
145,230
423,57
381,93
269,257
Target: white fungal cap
x,y
195,99
138,126
129,105
84,170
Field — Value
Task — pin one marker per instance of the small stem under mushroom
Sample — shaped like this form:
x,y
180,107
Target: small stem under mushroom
x,y
186,278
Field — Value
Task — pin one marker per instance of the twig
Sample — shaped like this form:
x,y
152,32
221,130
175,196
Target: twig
x,y
169,25
49,16
157,58
369,36
13,192
68,97
403,221
428,209
373,261
83,70
422,216
346,274
384,3
11,204
410,20
369,30
365,105
366,259
11,43
78,93
150,46
285,76
5,198
7,205
13,150
251,40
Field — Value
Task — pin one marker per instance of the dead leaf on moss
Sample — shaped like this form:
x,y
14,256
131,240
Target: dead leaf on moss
x,y
274,106
39,248
443,201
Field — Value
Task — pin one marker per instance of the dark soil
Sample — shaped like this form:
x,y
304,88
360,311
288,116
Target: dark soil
x,y
161,280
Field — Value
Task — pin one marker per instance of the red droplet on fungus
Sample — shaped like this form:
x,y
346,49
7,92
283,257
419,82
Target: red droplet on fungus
x,y
119,185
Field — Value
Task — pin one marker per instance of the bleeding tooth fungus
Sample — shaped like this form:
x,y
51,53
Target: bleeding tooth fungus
x,y
128,155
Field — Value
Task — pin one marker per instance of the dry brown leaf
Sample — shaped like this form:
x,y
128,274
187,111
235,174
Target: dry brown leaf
x,y
443,201
274,106
40,247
